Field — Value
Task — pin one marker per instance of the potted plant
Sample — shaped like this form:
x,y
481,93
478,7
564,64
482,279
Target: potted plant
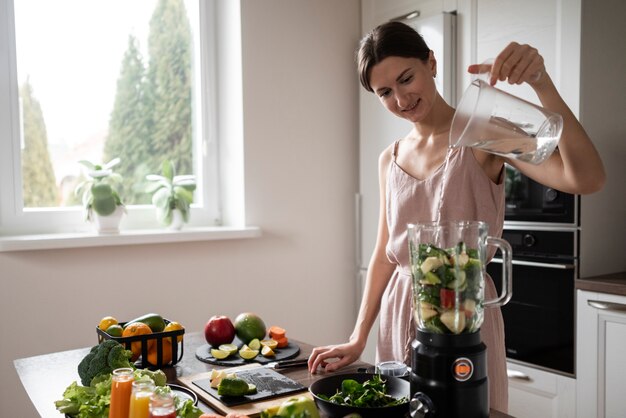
x,y
100,198
172,195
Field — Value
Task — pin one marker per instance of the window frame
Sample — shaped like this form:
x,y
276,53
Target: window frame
x,y
17,221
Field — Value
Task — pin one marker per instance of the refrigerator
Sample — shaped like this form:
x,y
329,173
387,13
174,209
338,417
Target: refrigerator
x,y
378,128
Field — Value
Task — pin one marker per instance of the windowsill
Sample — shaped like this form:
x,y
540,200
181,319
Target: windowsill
x,y
126,237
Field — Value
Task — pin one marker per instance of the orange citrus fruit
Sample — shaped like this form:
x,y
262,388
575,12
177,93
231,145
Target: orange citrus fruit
x,y
167,353
134,329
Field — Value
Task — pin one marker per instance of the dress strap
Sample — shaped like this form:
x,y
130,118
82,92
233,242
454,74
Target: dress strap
x,y
395,150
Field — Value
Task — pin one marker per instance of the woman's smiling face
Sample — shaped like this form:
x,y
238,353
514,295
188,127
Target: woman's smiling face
x,y
405,86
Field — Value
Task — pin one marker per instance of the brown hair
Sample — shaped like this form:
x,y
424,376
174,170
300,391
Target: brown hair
x,y
387,40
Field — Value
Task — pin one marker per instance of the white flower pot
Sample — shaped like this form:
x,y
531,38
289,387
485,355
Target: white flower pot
x,y
177,220
109,224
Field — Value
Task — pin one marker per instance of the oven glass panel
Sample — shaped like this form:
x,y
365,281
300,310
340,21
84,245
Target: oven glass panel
x,y
529,201
539,318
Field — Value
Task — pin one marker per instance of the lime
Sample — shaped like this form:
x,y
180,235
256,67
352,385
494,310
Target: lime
x,y
247,353
219,354
255,344
232,386
267,351
230,348
115,330
249,326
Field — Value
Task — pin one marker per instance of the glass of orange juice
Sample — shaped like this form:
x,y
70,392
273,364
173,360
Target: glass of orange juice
x,y
121,387
140,399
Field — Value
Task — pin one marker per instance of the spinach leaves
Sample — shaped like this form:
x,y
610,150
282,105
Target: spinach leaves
x,y
370,394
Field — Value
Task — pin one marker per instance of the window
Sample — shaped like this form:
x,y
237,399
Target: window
x,y
100,79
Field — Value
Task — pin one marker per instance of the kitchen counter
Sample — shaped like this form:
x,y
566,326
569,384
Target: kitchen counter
x,y
45,377
614,284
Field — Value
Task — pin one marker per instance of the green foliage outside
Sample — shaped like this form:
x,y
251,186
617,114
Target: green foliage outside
x,y
151,117
38,182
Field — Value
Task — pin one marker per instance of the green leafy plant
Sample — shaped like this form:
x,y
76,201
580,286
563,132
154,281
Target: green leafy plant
x,y
99,192
170,192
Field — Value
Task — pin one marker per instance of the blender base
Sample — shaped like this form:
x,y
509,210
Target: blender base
x,y
449,376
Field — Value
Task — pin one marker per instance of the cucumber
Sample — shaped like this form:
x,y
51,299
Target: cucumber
x,y
154,321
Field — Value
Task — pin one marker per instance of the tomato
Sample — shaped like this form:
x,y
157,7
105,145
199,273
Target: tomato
x,y
447,298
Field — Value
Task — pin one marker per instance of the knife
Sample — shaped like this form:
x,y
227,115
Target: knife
x,y
284,364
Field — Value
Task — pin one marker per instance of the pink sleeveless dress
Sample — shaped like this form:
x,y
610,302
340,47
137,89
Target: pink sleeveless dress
x,y
469,195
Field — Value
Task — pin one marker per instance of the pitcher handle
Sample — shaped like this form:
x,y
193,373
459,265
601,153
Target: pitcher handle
x,y
507,275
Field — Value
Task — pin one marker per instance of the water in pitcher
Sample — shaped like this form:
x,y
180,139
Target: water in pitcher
x,y
516,140
499,123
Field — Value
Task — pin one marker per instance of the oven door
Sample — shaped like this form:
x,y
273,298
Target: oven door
x,y
529,201
539,318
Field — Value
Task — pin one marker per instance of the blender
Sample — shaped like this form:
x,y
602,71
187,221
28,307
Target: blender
x,y
449,360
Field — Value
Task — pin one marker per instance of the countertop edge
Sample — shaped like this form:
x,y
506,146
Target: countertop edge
x,y
614,283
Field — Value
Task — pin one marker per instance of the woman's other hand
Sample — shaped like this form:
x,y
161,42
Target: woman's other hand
x,y
342,354
516,64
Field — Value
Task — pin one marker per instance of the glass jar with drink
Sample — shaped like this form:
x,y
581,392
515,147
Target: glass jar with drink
x,y
162,405
140,399
121,387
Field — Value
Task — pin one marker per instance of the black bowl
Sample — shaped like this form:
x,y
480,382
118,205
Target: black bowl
x,y
328,386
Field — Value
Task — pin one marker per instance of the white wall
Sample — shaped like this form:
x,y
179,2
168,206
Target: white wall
x,y
300,141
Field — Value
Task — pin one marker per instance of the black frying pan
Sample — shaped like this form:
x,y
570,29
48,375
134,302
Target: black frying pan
x,y
328,385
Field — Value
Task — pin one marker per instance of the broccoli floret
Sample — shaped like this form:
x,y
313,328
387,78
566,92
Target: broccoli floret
x,y
119,357
157,376
103,358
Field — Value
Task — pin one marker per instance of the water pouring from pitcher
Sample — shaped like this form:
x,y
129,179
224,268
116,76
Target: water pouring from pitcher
x,y
497,122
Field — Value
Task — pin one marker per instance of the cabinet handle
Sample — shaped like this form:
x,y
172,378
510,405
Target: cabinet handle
x,y
517,375
607,306
536,264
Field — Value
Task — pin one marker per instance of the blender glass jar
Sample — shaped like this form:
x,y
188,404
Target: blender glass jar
x,y
448,270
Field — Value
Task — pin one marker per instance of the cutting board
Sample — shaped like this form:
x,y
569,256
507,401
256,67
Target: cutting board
x,y
273,389
203,353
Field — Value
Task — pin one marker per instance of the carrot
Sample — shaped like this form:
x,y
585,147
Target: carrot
x,y
282,342
277,332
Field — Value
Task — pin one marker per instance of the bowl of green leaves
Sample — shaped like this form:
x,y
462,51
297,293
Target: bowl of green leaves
x,y
367,394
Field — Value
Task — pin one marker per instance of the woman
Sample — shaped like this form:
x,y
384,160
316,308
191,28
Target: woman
x,y
396,65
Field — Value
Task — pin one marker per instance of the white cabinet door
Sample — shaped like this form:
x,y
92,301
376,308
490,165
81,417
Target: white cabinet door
x,y
600,359
537,393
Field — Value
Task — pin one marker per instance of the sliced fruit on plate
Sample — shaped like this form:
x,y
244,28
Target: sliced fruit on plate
x,y
269,343
230,348
267,351
217,379
247,353
255,344
219,354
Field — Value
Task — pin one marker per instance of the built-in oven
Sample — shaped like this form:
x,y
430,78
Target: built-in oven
x,y
539,318
532,202
542,226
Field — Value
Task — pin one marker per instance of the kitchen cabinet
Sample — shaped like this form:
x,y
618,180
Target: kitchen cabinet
x,y
537,393
601,364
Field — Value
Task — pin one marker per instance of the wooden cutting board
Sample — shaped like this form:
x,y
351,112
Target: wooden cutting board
x,y
254,407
